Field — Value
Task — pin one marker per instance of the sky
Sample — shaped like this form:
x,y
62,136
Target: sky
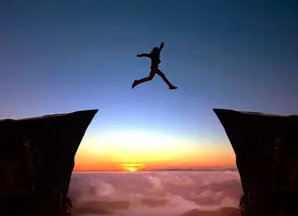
x,y
63,56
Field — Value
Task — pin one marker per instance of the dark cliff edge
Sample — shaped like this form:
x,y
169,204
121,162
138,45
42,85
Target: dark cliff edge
x,y
266,149
37,160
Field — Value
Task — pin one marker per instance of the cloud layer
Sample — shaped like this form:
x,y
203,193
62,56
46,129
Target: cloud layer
x,y
154,193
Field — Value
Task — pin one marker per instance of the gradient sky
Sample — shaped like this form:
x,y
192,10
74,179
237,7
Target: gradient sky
x,y
62,56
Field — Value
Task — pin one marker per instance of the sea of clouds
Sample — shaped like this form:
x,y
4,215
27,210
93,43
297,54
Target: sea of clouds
x,y
160,193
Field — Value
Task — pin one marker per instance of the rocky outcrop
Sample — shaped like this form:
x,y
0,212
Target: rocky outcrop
x,y
266,149
36,162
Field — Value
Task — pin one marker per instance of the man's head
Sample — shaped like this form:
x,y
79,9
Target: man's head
x,y
154,50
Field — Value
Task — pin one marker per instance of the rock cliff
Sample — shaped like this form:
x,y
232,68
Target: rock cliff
x,y
266,149
36,162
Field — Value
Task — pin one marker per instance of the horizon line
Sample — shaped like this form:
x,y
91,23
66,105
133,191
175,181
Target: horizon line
x,y
166,169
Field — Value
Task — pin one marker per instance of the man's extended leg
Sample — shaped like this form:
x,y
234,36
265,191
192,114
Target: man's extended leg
x,y
161,74
146,79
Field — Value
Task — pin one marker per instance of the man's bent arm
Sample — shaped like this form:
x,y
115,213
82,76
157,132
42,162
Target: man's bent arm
x,y
161,46
143,55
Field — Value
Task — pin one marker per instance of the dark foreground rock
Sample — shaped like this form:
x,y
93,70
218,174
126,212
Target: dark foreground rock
x,y
36,162
266,148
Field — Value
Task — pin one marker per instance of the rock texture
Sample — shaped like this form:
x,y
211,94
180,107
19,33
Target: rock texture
x,y
266,148
36,162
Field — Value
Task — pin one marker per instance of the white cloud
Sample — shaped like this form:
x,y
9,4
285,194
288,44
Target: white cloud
x,y
177,192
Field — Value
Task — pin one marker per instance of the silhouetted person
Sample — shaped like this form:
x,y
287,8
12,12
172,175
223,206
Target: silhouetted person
x,y
155,60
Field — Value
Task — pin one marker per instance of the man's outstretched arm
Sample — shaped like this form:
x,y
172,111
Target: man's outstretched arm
x,y
143,55
161,46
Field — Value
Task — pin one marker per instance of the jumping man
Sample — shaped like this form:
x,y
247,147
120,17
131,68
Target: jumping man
x,y
155,60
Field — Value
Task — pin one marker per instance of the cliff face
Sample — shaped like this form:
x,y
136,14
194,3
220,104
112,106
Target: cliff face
x,y
266,149
36,162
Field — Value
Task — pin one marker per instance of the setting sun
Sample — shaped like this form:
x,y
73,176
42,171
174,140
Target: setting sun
x,y
131,167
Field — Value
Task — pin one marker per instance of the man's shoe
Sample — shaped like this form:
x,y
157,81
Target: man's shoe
x,y
173,87
134,84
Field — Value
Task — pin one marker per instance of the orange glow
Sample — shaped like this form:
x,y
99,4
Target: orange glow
x,y
134,151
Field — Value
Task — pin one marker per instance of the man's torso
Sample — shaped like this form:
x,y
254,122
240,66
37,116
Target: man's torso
x,y
155,60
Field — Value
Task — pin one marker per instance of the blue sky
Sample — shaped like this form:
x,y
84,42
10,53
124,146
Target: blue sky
x,y
62,56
